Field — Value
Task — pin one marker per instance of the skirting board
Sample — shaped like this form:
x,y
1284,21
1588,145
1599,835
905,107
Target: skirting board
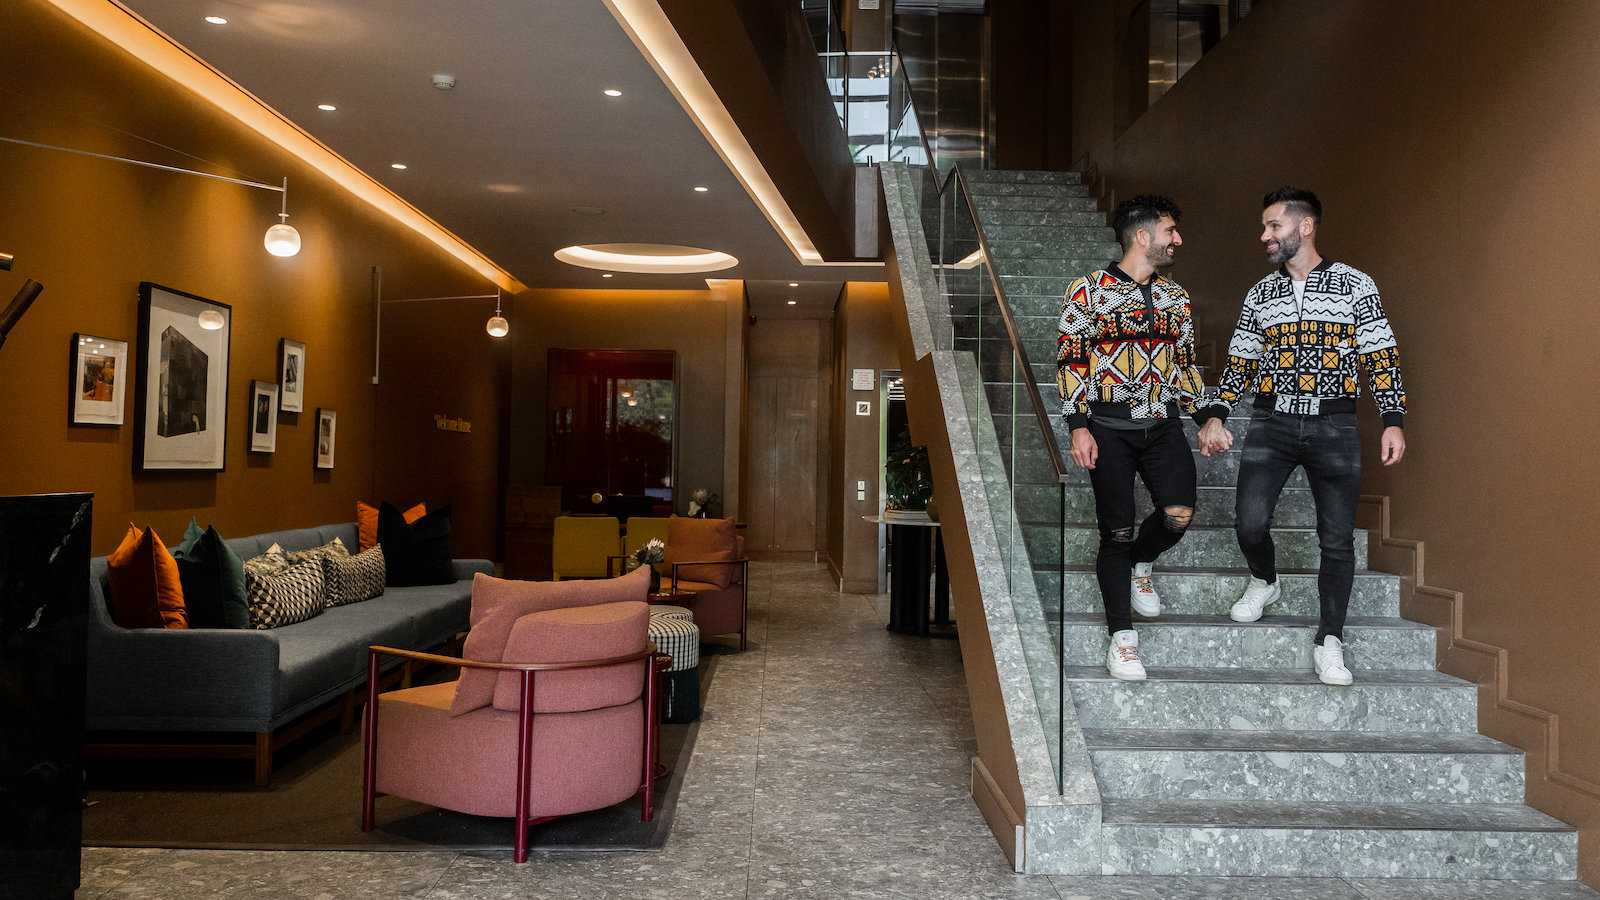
x,y
1003,820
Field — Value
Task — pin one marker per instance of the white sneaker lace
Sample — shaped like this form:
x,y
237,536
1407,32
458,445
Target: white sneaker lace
x,y
1332,657
1128,653
1142,585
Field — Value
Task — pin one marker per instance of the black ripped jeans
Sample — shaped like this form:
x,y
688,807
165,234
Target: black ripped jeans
x,y
1159,455
1329,447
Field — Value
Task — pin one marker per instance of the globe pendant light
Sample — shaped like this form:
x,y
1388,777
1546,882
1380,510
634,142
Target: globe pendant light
x,y
282,239
497,326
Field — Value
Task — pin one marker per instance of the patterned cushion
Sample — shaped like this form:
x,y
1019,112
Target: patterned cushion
x,y
334,547
352,579
285,597
270,562
678,639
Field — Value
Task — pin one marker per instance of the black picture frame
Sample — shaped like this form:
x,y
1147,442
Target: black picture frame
x,y
287,374
114,411
148,458
262,428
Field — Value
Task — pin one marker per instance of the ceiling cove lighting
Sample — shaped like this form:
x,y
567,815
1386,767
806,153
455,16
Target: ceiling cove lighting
x,y
125,29
662,259
497,326
652,32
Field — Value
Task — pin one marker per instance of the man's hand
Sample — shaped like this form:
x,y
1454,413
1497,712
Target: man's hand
x,y
1394,444
1215,437
1085,452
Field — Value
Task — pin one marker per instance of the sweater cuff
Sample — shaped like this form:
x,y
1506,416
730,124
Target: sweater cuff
x,y
1394,420
1077,420
1215,411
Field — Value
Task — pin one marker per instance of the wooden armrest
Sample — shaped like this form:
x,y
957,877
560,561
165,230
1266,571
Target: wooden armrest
x,y
710,562
459,662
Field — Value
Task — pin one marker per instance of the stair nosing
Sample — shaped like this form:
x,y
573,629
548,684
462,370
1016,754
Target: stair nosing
x,y
1116,812
1156,739
1392,623
1276,677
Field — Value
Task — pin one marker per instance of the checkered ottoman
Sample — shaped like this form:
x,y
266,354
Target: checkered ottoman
x,y
680,685
671,612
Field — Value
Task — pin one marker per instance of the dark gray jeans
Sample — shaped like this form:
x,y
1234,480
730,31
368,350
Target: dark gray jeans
x,y
1329,447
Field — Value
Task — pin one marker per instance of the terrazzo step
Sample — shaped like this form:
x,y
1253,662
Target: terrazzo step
x,y
1021,176
1274,700
1213,592
991,216
1305,767
1099,233
987,203
1056,265
1214,507
1335,840
1176,640
981,189
1201,547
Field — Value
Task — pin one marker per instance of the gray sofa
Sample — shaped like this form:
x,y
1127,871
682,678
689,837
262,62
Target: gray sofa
x,y
225,680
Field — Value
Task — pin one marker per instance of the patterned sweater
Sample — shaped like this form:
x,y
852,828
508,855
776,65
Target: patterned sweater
x,y
1301,356
1129,356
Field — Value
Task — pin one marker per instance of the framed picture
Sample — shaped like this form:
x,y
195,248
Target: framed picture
x,y
327,430
291,375
99,380
181,410
263,417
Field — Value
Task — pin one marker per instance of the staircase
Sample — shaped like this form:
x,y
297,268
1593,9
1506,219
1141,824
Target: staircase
x,y
1232,759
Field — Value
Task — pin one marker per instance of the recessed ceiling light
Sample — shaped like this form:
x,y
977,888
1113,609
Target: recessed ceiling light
x,y
327,107
701,189
216,20
400,166
653,258
608,275
792,302
794,284
613,92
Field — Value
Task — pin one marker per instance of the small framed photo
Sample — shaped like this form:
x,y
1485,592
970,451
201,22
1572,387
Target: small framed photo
x,y
263,417
327,430
291,375
99,380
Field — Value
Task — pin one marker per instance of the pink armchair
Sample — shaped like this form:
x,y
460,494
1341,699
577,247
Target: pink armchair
x,y
560,737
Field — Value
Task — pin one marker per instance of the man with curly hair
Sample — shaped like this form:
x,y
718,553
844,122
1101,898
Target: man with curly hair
x,y
1126,371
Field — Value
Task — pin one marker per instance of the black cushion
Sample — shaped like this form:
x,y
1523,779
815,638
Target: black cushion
x,y
213,580
418,553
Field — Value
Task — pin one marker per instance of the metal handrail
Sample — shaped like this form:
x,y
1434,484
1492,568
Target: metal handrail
x,y
1020,353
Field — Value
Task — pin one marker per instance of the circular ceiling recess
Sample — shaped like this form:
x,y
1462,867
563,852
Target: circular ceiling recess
x,y
667,259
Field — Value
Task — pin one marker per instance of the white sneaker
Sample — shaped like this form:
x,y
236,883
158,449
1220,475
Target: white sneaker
x,y
1146,602
1329,660
1258,595
1122,657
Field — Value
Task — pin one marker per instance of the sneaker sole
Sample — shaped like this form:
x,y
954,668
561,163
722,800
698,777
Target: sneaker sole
x,y
1336,682
1128,677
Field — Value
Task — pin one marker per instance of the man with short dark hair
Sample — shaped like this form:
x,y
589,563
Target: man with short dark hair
x,y
1125,369
1301,332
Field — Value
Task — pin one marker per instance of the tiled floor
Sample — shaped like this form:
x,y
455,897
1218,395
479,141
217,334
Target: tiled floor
x,y
831,762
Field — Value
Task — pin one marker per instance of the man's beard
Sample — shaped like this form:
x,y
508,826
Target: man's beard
x,y
1159,259
1287,248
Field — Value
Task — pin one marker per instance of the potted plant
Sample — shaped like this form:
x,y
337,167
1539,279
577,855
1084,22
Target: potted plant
x,y
908,479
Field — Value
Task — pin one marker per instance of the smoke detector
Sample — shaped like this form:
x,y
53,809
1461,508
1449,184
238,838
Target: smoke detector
x,y
444,82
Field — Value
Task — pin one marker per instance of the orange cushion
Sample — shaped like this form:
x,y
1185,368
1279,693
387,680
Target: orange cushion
x,y
497,604
145,589
701,540
367,522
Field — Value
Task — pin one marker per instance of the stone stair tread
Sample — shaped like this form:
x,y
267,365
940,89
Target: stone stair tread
x,y
1396,817
1295,741
1207,570
1266,621
1370,678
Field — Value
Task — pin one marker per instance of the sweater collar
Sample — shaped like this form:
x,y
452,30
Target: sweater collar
x,y
1320,267
1115,271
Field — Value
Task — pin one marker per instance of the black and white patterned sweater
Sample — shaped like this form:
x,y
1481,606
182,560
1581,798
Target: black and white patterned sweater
x,y
1301,355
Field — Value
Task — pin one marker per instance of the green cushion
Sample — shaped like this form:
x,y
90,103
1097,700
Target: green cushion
x,y
213,580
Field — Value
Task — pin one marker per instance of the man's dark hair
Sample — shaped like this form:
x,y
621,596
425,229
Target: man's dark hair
x,y
1303,202
1139,212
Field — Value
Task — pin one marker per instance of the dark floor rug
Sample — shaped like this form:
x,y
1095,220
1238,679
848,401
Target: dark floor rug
x,y
314,802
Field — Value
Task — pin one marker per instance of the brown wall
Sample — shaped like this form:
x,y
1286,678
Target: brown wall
x,y
91,230
864,338
438,360
693,323
790,368
1031,84
1450,143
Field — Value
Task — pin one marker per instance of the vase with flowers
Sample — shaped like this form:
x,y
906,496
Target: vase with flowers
x,y
651,554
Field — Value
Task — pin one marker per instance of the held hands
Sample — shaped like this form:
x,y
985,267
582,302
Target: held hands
x,y
1085,452
1215,438
1394,444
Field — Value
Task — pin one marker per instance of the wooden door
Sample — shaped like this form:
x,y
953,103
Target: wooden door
x,y
782,477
